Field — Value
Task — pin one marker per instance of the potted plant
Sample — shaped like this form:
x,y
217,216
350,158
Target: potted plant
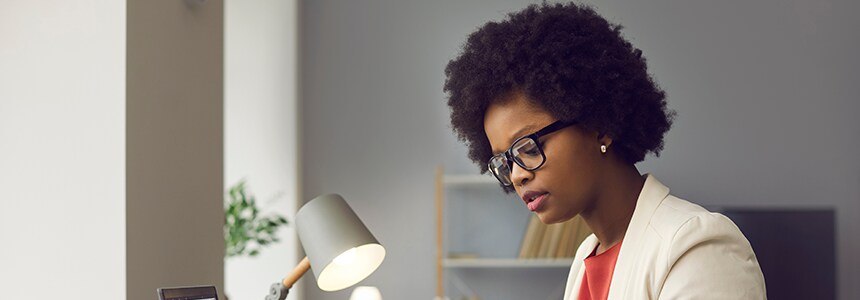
x,y
246,232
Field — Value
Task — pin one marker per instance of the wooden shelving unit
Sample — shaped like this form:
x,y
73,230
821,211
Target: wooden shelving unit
x,y
505,263
445,265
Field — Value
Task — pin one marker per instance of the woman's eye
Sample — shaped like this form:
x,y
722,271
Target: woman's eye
x,y
530,150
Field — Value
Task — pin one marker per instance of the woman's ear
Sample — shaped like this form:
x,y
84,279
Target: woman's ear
x,y
604,139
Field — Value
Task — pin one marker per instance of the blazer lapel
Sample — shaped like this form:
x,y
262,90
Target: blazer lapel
x,y
578,268
652,194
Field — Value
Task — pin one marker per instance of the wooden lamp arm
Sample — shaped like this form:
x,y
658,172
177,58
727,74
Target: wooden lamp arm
x,y
279,290
297,273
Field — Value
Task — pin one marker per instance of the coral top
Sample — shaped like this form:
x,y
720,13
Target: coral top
x,y
598,274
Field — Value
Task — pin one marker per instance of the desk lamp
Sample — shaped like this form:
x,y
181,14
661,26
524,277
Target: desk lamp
x,y
340,249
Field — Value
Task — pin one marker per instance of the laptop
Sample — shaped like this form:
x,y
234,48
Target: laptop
x,y
188,293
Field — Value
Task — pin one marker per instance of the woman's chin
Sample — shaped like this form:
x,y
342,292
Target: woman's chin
x,y
548,217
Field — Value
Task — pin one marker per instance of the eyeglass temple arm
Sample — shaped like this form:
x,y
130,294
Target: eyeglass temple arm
x,y
552,127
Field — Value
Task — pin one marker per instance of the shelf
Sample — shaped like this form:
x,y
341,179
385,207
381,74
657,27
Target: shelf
x,y
507,263
484,244
469,179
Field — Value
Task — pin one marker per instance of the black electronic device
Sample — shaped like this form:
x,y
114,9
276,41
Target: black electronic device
x,y
188,293
795,247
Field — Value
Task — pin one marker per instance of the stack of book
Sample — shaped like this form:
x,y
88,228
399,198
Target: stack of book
x,y
553,241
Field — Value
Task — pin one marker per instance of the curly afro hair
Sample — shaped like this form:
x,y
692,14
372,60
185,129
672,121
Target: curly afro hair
x,y
568,60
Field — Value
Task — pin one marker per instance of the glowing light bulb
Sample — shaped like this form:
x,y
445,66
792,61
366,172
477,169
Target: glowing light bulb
x,y
366,293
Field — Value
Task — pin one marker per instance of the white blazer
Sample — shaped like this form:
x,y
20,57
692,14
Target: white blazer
x,y
674,249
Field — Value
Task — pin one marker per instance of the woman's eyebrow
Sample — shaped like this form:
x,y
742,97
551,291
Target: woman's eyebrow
x,y
523,131
520,133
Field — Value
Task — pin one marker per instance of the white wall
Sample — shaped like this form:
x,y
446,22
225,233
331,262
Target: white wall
x,y
765,93
110,155
62,149
260,131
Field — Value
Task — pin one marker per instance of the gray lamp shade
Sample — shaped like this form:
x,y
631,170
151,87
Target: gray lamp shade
x,y
341,250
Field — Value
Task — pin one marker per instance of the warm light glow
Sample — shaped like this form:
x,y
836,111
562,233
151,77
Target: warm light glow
x,y
350,267
347,258
366,293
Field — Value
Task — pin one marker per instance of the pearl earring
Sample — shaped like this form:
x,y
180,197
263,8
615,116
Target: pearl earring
x,y
602,148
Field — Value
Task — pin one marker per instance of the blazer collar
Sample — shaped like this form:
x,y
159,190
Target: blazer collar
x,y
652,194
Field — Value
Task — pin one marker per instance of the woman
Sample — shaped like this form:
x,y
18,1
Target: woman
x,y
559,107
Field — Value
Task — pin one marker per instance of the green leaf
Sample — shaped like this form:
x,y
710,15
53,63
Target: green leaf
x,y
243,224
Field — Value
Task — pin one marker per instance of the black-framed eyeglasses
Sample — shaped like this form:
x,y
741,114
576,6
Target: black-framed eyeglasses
x,y
526,151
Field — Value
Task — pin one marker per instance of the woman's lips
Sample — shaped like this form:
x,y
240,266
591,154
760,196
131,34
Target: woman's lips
x,y
535,204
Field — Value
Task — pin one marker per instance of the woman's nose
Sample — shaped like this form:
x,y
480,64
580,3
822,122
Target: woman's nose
x,y
520,176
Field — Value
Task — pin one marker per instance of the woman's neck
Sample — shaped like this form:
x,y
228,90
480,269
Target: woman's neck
x,y
613,208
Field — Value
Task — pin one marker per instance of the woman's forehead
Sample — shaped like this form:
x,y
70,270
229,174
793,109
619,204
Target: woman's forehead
x,y
508,120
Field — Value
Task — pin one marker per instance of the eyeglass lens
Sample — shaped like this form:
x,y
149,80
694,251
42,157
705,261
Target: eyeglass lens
x,y
527,155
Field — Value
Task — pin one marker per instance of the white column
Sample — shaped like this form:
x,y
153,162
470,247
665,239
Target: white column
x,y
62,149
260,131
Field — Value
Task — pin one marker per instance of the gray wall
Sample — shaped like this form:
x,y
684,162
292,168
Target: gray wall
x,y
174,146
765,93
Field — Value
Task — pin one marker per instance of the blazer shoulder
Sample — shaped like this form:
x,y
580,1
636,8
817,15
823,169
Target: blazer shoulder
x,y
675,215
706,252
682,225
